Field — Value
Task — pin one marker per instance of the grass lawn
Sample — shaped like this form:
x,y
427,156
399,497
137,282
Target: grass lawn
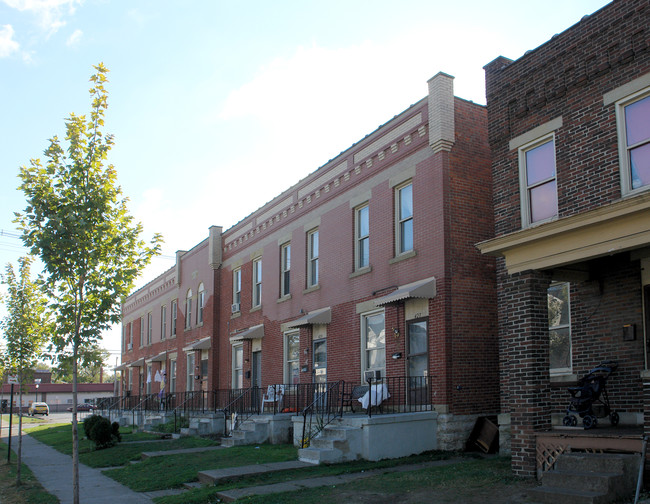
x,y
29,492
59,436
15,420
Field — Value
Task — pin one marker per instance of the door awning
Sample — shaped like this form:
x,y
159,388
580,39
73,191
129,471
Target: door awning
x,y
121,367
424,289
254,332
161,357
320,316
138,363
202,344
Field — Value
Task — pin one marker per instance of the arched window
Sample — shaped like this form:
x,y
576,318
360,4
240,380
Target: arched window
x,y
200,303
188,309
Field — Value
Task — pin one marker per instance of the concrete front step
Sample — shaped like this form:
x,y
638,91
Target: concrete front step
x,y
247,433
332,444
216,476
558,495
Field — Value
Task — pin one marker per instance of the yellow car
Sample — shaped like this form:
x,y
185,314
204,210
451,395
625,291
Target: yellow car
x,y
39,408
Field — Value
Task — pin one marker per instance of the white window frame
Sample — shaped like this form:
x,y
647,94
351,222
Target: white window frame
x,y
288,362
401,221
191,362
361,241
564,370
149,328
236,287
524,188
237,371
257,282
172,375
163,322
313,256
364,348
285,269
174,315
188,309
623,149
200,303
141,331
131,334
146,378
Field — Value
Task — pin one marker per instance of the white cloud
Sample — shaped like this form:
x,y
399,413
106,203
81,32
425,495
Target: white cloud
x,y
50,13
75,38
8,45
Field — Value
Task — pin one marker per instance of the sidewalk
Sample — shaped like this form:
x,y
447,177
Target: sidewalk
x,y
54,471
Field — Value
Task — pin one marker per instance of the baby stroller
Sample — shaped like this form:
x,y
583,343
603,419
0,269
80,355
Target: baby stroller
x,y
591,391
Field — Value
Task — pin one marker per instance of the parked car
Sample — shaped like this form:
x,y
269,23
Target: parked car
x,y
83,407
38,408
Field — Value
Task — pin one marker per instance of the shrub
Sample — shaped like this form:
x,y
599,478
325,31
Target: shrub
x,y
103,433
115,427
89,422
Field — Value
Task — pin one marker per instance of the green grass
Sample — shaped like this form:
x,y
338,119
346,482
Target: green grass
x,y
26,420
60,438
29,492
159,473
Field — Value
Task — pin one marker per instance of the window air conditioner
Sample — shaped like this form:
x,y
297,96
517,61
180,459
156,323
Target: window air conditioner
x,y
130,346
234,308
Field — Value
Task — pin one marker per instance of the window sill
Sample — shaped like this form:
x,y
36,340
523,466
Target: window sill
x,y
563,379
284,298
403,257
311,289
235,315
361,272
255,308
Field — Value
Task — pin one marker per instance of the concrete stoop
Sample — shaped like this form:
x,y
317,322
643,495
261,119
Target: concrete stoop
x,y
335,443
589,478
201,426
251,431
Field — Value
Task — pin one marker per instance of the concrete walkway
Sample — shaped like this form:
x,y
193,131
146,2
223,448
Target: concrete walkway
x,y
53,470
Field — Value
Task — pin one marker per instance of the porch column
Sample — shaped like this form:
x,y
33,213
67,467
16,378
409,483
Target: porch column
x,y
645,377
524,362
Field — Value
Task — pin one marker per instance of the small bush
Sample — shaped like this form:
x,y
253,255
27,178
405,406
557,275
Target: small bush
x,y
115,427
89,423
103,434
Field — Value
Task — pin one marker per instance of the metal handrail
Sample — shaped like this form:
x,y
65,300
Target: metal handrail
x,y
324,415
227,409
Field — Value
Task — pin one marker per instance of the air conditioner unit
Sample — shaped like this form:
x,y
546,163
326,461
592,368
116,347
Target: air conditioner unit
x,y
129,346
234,308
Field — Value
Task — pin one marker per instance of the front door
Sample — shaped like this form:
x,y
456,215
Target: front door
x,y
257,369
320,361
417,359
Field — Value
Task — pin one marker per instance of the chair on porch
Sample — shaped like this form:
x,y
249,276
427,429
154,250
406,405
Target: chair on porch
x,y
274,395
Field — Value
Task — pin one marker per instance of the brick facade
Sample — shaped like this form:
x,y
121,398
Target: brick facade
x,y
568,90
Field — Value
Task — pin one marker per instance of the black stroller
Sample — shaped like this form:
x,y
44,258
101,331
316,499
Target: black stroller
x,y
591,391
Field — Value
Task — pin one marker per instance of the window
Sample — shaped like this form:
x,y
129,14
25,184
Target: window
x,y
236,290
174,316
285,269
538,181
149,328
148,378
634,141
200,301
373,341
257,282
129,383
190,372
172,376
292,357
404,227
238,366
362,237
312,258
559,328
163,322
141,331
188,309
131,335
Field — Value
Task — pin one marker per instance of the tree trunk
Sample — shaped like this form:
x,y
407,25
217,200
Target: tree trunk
x,y
20,431
75,434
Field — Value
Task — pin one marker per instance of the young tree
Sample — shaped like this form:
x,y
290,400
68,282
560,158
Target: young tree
x,y
25,328
77,222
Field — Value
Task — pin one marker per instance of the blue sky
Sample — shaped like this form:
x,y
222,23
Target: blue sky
x,y
218,106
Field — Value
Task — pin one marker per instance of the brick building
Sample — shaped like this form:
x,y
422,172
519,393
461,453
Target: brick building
x,y
367,264
569,130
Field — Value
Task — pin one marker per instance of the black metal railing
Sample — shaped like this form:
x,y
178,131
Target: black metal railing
x,y
325,407
401,394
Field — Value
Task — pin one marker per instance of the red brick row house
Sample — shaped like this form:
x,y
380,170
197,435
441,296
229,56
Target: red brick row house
x,y
569,131
367,264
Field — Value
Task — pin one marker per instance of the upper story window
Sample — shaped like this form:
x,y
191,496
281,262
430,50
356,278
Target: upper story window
x,y
236,290
130,335
163,322
200,303
362,237
142,330
559,327
538,181
404,218
257,282
285,269
634,142
312,258
174,317
149,328
188,309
